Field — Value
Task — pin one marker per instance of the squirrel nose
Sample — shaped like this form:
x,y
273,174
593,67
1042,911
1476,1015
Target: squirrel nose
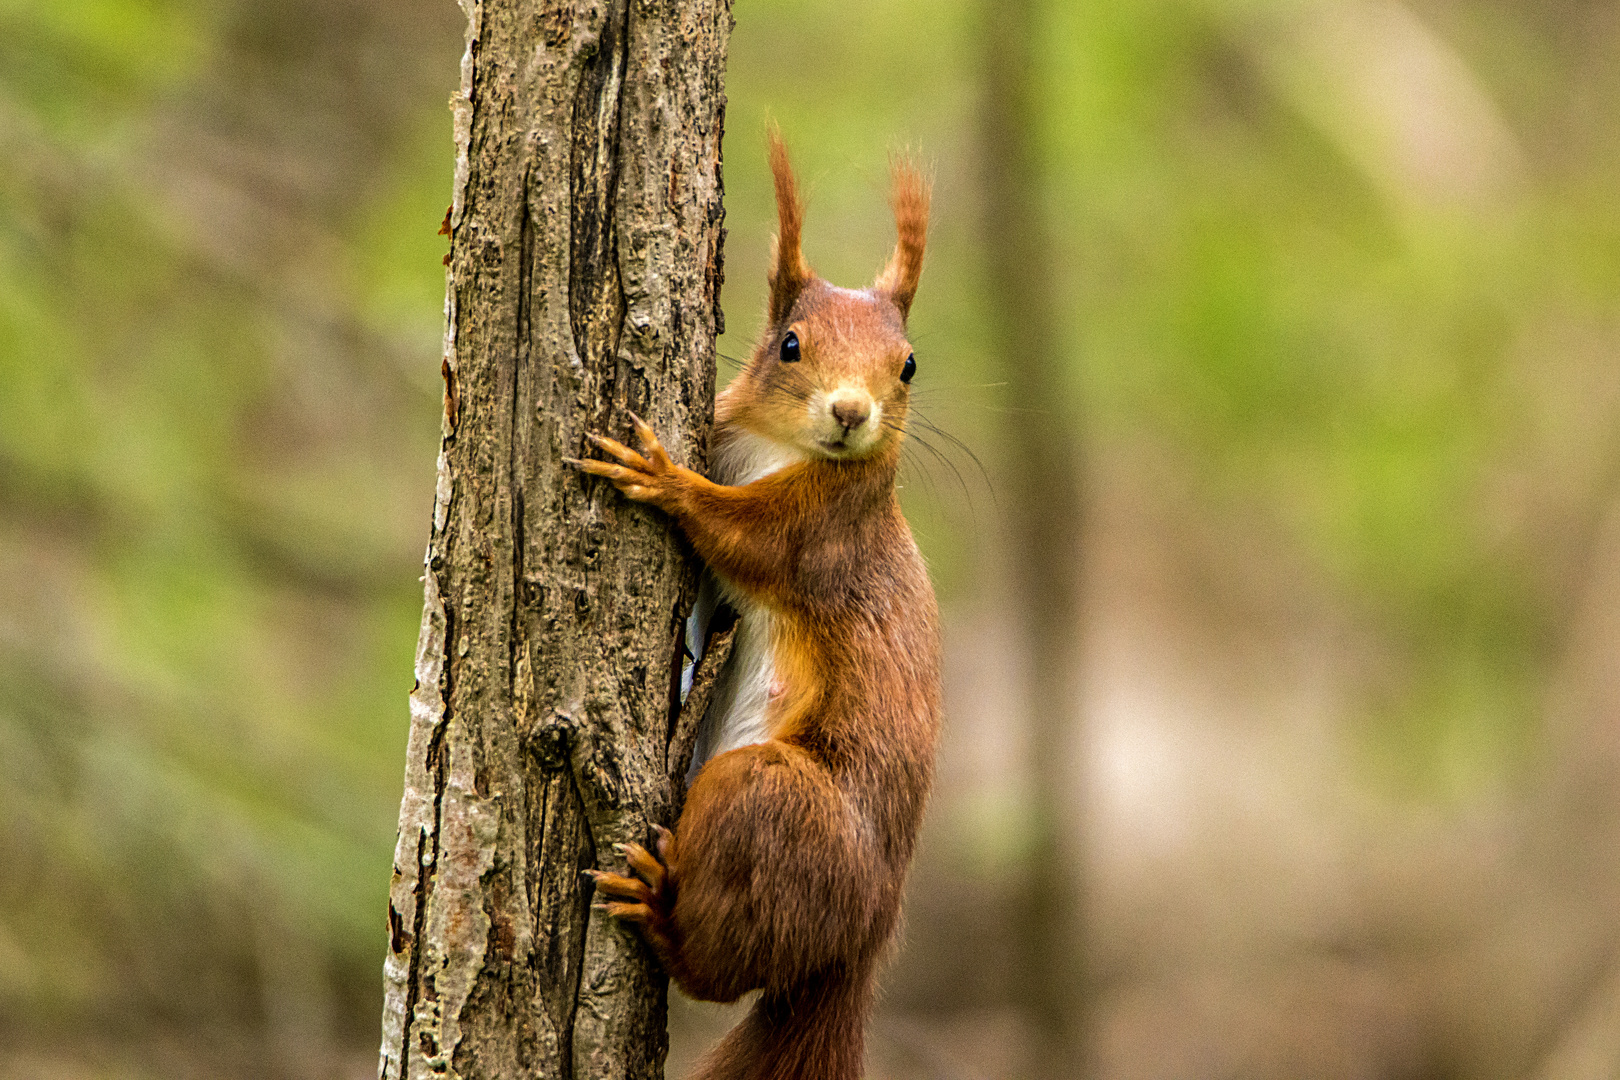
x,y
851,414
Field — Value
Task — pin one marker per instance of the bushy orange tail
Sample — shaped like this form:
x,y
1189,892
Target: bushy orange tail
x,y
815,1033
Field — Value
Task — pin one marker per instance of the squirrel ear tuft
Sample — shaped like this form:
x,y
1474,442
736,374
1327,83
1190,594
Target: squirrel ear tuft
x,y
910,193
789,272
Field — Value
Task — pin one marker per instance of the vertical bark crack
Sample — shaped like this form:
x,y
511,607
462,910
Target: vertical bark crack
x,y
595,300
412,991
426,874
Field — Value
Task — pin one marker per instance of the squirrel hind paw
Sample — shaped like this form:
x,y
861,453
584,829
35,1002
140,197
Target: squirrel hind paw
x,y
623,888
646,866
632,900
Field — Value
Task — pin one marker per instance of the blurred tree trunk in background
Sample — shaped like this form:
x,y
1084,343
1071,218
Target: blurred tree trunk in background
x,y
585,276
1042,478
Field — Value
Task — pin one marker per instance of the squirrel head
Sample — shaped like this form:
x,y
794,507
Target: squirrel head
x,y
831,374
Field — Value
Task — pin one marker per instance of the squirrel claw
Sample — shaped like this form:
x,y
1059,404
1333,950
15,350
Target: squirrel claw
x,y
636,913
629,900
654,450
647,899
632,483
625,455
644,479
646,867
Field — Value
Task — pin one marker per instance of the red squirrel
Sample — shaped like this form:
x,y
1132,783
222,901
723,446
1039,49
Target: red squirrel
x,y
784,872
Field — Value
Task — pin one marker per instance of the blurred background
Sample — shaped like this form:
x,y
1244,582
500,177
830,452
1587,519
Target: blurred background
x,y
1274,505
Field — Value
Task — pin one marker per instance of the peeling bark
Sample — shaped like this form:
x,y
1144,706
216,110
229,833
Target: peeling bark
x,y
585,270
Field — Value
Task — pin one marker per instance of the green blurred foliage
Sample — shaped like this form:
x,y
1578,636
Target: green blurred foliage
x,y
1320,343
217,438
214,490
81,67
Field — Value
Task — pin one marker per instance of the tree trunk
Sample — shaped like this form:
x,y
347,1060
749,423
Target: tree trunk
x,y
584,281
1045,519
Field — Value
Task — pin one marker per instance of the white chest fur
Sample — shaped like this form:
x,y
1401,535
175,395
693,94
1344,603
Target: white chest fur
x,y
746,457
737,713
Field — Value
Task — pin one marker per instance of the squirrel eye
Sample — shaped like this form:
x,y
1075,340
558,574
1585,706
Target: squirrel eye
x,y
910,369
790,348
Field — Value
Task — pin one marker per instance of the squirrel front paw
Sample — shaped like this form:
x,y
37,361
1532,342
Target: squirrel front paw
x,y
645,900
649,477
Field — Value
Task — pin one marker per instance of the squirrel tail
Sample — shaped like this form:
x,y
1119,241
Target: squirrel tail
x,y
814,1032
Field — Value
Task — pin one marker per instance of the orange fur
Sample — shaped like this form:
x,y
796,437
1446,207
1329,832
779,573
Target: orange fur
x,y
910,199
789,272
784,873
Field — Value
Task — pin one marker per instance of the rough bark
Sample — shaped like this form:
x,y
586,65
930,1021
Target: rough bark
x,y
1043,481
584,281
